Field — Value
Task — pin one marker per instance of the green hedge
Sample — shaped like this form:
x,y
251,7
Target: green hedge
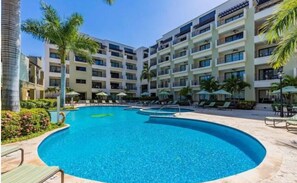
x,y
23,123
41,103
247,105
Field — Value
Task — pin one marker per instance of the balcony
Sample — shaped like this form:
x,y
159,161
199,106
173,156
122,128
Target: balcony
x,y
180,55
101,52
131,58
183,68
237,60
99,62
116,54
152,52
115,65
179,84
152,87
153,63
116,87
164,47
98,86
116,77
234,41
199,66
195,83
180,39
98,74
164,85
164,72
237,19
132,78
266,9
162,60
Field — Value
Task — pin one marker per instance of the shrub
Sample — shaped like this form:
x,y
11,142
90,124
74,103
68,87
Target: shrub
x,y
41,103
248,105
24,123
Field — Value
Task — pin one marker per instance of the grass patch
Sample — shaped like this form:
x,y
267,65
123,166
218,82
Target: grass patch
x,y
51,127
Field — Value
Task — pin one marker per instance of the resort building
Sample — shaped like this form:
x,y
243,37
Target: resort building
x,y
31,78
115,69
221,43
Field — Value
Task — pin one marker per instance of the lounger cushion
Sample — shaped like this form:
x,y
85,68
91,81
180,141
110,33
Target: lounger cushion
x,y
8,149
29,174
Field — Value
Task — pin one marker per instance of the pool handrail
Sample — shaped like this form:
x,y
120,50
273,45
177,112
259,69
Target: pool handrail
x,y
162,107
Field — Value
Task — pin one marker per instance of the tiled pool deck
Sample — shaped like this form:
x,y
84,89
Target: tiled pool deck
x,y
280,164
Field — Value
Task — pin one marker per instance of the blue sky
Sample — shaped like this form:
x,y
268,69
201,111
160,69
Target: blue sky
x,y
135,23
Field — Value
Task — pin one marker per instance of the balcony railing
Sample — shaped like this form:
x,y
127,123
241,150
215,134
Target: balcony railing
x,y
153,87
237,36
163,85
102,75
116,77
116,65
180,69
130,57
179,84
153,63
198,65
181,39
267,4
160,73
132,78
201,31
236,58
98,86
116,87
232,19
116,54
199,49
180,54
102,52
163,46
195,83
161,60
153,52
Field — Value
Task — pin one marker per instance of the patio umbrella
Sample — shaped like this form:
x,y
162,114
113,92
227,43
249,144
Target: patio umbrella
x,y
203,92
164,93
101,94
122,94
221,92
72,94
145,94
286,90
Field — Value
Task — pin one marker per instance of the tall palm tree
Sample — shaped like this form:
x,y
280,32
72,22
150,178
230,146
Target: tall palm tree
x,y
281,27
10,53
287,81
147,73
235,85
185,92
65,35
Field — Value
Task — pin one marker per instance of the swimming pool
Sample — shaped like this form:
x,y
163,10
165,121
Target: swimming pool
x,y
163,111
111,144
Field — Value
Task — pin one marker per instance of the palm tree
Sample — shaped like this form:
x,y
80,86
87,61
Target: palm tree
x,y
185,92
235,85
281,27
147,73
287,81
65,35
10,53
210,84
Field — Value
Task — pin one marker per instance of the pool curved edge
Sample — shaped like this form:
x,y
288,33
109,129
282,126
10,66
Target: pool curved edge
x,y
266,169
269,166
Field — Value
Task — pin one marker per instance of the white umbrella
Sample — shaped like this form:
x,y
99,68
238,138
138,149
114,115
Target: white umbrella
x,y
122,94
221,92
72,94
287,89
101,94
145,94
203,92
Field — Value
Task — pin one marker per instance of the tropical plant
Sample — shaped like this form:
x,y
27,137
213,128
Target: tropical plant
x,y
281,27
235,85
65,35
287,81
210,84
147,73
10,53
186,92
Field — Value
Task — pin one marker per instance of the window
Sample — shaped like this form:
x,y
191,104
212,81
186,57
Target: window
x,y
267,74
234,17
54,68
129,50
131,66
81,68
204,30
98,73
266,51
114,47
116,54
234,57
81,81
55,82
80,59
205,77
204,47
234,37
116,64
98,62
54,55
96,85
204,63
236,74
186,28
207,18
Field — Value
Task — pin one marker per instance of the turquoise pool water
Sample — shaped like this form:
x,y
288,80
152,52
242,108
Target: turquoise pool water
x,y
110,144
163,111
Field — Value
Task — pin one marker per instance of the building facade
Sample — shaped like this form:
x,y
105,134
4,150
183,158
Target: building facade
x,y
114,70
221,43
31,78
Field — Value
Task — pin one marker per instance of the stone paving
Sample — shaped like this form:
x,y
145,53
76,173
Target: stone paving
x,y
279,165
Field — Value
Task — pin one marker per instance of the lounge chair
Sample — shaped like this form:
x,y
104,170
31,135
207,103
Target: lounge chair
x,y
117,102
211,105
175,102
28,173
103,102
225,106
110,102
276,120
95,101
291,122
201,104
87,102
169,103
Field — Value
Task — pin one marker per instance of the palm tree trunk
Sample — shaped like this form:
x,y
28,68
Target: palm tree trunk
x,y
10,54
63,84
